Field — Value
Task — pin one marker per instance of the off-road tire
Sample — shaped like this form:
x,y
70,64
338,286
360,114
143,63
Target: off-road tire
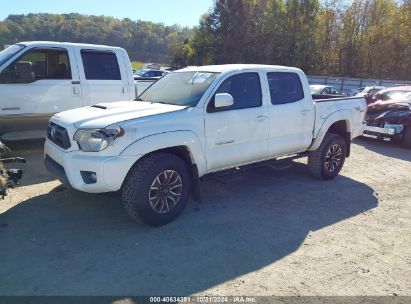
x,y
136,188
317,159
406,140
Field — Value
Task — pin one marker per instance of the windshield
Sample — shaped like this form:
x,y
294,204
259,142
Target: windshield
x,y
180,88
10,52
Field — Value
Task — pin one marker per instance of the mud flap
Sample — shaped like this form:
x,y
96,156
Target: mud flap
x,y
196,187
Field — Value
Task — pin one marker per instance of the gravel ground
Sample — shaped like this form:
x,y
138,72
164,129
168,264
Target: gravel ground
x,y
265,232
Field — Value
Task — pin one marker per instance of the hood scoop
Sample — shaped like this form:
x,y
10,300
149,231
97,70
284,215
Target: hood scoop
x,y
99,107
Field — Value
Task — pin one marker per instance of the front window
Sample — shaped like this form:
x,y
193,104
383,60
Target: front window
x,y
10,52
38,64
245,89
180,88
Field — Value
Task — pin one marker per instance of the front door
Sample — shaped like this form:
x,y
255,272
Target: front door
x,y
41,82
237,134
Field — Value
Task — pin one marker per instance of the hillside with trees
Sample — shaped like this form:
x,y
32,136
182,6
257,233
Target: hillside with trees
x,y
366,38
144,41
359,38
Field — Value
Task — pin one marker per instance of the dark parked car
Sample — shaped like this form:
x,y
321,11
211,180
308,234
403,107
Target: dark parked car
x,y
149,74
348,92
390,119
320,89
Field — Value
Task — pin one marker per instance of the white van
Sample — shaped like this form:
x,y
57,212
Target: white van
x,y
38,79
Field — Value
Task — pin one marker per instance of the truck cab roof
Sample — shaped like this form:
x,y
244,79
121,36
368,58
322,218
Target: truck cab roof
x,y
225,68
67,44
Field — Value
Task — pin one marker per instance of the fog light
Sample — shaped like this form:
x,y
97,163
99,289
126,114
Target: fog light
x,y
89,177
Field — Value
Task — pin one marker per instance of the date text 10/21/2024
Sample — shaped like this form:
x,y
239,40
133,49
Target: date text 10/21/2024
x,y
203,299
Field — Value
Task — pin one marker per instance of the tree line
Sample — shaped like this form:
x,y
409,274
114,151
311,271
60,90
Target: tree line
x,y
144,41
361,38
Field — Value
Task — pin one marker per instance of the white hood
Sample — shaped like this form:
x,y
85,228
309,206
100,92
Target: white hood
x,y
104,114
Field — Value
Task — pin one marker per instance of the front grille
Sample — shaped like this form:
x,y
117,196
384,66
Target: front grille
x,y
58,135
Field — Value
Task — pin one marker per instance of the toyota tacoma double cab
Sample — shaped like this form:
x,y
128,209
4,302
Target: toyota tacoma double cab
x,y
196,122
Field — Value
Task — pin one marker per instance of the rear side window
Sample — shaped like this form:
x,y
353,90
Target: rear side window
x,y
284,87
100,65
245,89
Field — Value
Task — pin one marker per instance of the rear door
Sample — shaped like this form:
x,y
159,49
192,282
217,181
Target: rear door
x,y
291,114
102,79
36,85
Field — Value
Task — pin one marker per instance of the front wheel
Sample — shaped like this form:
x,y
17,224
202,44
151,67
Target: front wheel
x,y
327,161
156,189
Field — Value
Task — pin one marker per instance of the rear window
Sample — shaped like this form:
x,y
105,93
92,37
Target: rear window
x,y
284,87
100,65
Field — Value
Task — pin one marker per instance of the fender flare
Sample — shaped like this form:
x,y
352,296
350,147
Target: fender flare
x,y
344,115
178,138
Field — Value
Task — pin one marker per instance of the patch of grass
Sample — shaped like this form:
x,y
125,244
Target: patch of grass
x,y
137,65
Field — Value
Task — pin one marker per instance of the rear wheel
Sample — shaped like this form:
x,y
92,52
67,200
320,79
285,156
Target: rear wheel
x,y
156,189
326,162
406,140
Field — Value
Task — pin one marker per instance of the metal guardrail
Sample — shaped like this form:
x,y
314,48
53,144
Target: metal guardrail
x,y
354,83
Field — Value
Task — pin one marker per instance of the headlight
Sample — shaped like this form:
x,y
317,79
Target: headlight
x,y
95,140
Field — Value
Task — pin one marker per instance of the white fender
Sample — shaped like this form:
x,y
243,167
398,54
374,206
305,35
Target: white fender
x,y
165,140
345,115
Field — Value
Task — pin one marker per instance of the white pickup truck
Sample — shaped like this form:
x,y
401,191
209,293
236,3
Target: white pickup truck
x,y
38,79
196,122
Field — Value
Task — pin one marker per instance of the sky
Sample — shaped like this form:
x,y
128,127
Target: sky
x,y
183,12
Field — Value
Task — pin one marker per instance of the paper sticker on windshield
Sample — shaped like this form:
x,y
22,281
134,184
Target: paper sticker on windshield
x,y
200,78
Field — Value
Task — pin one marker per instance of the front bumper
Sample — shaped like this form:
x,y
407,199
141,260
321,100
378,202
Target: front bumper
x,y
388,130
66,166
377,130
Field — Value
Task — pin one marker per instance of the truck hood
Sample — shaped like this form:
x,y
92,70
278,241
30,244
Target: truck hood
x,y
104,114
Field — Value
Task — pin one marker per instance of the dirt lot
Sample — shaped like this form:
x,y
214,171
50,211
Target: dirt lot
x,y
263,233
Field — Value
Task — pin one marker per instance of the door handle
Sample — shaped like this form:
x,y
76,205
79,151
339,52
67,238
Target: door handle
x,y
11,109
75,82
262,117
305,111
359,109
224,142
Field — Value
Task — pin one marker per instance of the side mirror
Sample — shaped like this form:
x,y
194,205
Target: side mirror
x,y
24,72
223,100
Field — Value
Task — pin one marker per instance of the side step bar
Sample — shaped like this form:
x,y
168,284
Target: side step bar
x,y
280,163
